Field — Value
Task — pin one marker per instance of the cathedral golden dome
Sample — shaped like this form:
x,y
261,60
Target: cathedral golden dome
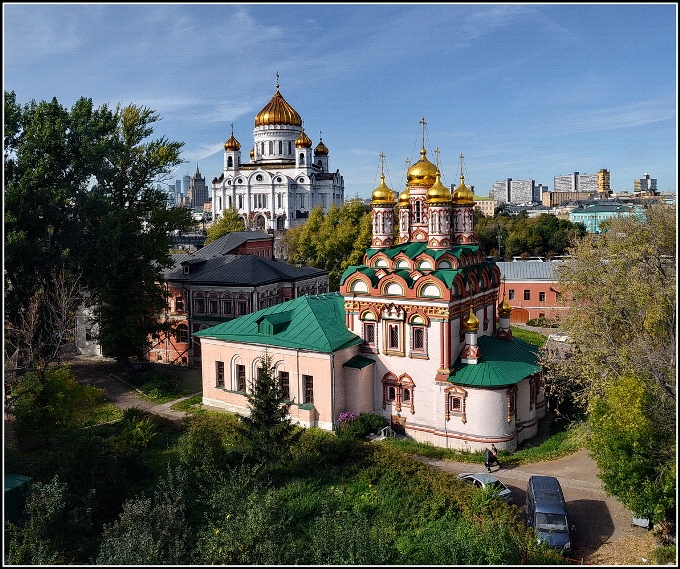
x,y
463,194
438,193
422,173
504,308
321,149
382,194
252,153
232,144
278,111
471,322
303,141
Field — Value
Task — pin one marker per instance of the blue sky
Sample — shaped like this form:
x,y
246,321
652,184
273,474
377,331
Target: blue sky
x,y
523,91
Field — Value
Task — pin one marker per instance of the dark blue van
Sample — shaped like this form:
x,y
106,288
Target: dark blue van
x,y
547,512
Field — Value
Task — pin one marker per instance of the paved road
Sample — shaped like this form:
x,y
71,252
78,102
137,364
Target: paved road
x,y
599,519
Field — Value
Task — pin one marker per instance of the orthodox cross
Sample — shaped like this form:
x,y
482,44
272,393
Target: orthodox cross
x,y
382,163
436,151
277,80
422,122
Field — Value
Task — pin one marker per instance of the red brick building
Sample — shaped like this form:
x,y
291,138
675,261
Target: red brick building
x,y
532,289
230,277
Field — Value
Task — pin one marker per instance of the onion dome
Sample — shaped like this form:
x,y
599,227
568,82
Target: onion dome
x,y
403,198
471,322
382,194
232,144
422,173
321,149
463,194
438,193
504,308
278,111
303,141
252,153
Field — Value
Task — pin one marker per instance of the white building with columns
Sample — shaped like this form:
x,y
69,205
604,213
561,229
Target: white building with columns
x,y
284,178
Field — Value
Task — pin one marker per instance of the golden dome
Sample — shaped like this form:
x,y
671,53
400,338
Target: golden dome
x,y
504,308
278,111
422,173
438,193
232,144
403,198
321,149
382,194
303,141
471,322
252,153
463,194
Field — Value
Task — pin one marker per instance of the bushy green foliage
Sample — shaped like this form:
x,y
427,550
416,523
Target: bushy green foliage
x,y
53,531
139,427
631,450
228,222
61,402
542,323
150,532
365,424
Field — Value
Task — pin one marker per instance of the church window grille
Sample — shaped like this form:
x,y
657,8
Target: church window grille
x,y
393,338
219,372
369,333
240,377
418,339
308,383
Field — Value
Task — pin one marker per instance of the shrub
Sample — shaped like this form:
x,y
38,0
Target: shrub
x,y
360,427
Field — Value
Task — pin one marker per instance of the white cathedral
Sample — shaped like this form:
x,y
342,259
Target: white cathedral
x,y
284,179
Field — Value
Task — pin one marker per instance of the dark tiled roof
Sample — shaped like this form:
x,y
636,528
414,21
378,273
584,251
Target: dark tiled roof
x,y
528,270
229,242
315,322
239,270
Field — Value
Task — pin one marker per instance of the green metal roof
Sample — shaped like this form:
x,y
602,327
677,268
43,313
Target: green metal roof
x,y
358,362
415,248
315,323
502,363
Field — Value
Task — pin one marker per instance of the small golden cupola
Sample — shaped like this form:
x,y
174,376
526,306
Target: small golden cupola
x,y
462,195
232,144
252,153
277,111
471,322
504,308
382,195
303,141
438,193
403,198
321,149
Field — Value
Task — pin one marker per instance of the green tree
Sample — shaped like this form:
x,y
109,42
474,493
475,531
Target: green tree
x,y
620,289
150,532
79,194
267,433
53,531
331,241
228,222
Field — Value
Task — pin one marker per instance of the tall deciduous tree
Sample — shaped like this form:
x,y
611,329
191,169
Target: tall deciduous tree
x,y
228,222
79,193
331,241
620,288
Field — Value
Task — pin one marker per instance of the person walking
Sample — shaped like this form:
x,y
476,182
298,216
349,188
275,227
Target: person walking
x,y
488,456
494,456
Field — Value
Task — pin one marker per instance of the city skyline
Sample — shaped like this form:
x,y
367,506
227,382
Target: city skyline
x,y
522,91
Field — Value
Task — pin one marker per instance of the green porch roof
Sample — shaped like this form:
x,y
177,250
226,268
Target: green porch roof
x,y
502,363
358,362
315,323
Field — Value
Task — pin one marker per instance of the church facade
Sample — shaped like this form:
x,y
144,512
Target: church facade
x,y
416,333
284,178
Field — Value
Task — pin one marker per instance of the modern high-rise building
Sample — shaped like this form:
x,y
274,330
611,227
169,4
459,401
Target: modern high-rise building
x,y
578,182
645,186
284,179
516,191
604,189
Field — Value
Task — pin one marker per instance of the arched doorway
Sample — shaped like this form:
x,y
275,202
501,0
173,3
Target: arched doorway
x,y
519,316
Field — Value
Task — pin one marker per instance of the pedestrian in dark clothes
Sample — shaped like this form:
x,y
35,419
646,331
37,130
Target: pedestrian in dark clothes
x,y
491,458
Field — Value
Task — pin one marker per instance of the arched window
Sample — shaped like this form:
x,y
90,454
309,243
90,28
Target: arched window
x,y
444,265
230,162
359,286
418,212
381,263
394,289
262,146
280,146
302,158
431,291
425,265
403,264
182,334
290,151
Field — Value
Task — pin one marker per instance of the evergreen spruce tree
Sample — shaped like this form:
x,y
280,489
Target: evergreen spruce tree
x,y
267,433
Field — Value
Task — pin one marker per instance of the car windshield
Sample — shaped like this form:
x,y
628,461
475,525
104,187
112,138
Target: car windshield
x,y
496,485
551,522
